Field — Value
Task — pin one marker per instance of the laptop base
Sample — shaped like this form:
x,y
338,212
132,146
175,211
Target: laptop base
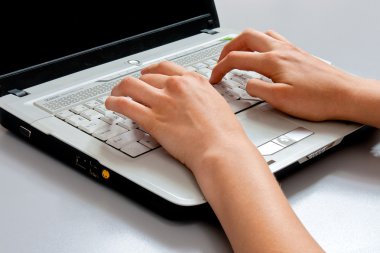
x,y
91,168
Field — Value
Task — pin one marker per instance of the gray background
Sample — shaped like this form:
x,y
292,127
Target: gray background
x,y
47,207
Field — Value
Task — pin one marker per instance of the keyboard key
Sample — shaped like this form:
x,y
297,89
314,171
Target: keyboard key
x,y
245,96
112,119
126,138
200,65
92,126
228,84
103,110
108,132
121,132
78,109
239,105
210,62
128,124
136,75
230,96
239,79
64,114
190,68
238,72
238,92
252,75
149,141
92,103
76,120
135,149
102,99
121,115
91,114
205,72
266,79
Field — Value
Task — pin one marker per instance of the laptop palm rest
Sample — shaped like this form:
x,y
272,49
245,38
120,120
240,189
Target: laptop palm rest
x,y
263,124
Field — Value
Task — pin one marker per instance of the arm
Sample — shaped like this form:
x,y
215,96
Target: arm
x,y
250,204
304,86
173,105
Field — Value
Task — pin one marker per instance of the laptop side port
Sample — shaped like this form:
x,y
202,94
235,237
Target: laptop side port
x,y
88,166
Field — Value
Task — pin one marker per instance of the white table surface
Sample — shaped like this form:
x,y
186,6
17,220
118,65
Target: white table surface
x,y
47,207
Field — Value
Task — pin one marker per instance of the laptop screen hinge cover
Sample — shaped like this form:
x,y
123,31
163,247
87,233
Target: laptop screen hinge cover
x,y
18,93
209,31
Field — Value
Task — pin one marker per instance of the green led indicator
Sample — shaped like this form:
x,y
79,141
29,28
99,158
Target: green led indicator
x,y
228,38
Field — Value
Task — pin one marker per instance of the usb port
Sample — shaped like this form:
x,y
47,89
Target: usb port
x,y
87,165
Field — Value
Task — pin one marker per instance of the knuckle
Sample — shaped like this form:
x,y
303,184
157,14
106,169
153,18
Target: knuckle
x,y
289,47
173,83
248,32
279,57
179,84
231,56
198,78
282,56
163,65
280,98
119,103
271,57
125,82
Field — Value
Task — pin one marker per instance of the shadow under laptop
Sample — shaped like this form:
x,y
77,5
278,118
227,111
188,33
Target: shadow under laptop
x,y
172,227
180,231
354,162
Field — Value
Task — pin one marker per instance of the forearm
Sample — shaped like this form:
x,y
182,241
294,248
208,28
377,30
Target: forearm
x,y
249,203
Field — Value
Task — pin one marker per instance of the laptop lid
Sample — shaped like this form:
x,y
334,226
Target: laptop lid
x,y
63,38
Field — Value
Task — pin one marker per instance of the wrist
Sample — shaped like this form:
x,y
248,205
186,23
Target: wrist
x,y
345,94
226,154
361,98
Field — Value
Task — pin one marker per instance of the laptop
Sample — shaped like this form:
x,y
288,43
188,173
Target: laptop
x,y
54,82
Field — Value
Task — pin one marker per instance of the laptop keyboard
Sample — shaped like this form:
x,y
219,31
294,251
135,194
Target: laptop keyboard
x,y
84,108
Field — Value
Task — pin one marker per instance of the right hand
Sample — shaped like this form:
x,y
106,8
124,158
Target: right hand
x,y
303,85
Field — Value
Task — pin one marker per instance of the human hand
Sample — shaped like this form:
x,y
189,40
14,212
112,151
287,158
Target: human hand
x,y
180,109
304,86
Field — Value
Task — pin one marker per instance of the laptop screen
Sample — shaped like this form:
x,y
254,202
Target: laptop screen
x,y
60,29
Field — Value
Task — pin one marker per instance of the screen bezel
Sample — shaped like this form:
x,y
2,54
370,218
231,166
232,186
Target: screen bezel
x,y
47,71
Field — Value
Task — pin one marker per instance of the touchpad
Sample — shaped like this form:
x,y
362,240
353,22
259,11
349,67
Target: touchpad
x,y
263,124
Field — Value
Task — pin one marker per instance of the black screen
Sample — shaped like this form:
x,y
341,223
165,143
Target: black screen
x,y
39,34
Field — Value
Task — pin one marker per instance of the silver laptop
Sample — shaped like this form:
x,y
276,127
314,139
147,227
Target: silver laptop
x,y
54,83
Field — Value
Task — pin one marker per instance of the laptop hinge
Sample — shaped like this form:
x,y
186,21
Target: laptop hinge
x,y
209,31
18,93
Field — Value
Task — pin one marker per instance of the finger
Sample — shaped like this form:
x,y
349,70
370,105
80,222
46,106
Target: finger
x,y
249,40
273,93
156,80
137,90
164,68
276,36
128,107
239,60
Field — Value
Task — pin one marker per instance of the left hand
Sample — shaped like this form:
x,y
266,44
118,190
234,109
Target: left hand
x,y
181,110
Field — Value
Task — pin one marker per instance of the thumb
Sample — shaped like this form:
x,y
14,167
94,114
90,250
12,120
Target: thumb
x,y
272,93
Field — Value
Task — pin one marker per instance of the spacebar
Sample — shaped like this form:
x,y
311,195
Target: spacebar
x,y
240,105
